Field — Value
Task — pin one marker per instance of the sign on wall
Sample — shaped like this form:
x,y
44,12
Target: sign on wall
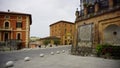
x,y
85,35
85,32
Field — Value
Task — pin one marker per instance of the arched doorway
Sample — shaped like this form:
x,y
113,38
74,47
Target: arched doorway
x,y
111,34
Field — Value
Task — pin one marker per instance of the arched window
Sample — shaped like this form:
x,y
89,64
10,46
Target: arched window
x,y
6,24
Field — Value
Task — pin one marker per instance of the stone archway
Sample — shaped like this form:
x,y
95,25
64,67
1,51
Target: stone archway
x,y
111,34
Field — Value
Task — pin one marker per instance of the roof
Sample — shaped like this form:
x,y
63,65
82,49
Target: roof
x,y
50,37
17,13
32,43
62,21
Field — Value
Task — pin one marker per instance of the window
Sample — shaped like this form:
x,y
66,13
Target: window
x,y
85,1
6,25
92,1
18,36
19,18
89,1
90,9
71,30
82,12
65,25
19,25
7,17
65,37
116,2
97,0
104,4
65,31
65,42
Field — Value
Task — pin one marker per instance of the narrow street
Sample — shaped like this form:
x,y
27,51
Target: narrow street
x,y
62,60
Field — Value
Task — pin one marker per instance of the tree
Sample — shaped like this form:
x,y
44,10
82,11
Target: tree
x,y
46,42
56,42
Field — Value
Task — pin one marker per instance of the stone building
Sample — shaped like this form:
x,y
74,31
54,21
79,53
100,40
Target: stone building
x,y
97,22
64,30
15,27
50,40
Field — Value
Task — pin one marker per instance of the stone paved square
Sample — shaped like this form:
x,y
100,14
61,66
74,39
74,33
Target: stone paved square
x,y
62,60
67,61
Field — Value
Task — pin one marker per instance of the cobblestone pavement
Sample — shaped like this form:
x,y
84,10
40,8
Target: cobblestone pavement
x,y
62,60
21,54
67,61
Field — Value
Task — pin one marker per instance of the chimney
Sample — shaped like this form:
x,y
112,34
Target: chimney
x,y
8,10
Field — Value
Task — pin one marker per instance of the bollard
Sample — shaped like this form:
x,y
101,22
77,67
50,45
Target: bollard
x,y
41,55
27,58
52,53
63,51
58,52
9,64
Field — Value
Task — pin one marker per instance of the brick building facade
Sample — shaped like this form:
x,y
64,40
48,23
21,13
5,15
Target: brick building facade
x,y
15,26
64,30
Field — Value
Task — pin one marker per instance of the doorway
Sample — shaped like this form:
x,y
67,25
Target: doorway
x,y
6,36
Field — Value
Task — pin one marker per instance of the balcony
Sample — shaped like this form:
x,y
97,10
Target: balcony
x,y
5,29
90,15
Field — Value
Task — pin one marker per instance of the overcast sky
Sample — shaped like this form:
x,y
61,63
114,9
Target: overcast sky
x,y
44,12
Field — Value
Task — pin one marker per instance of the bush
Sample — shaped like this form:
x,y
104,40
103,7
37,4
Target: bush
x,y
115,51
99,49
105,49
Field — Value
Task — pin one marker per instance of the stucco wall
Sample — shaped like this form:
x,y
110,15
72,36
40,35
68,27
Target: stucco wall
x,y
100,23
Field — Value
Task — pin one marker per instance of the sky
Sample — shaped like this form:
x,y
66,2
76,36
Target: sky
x,y
44,12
